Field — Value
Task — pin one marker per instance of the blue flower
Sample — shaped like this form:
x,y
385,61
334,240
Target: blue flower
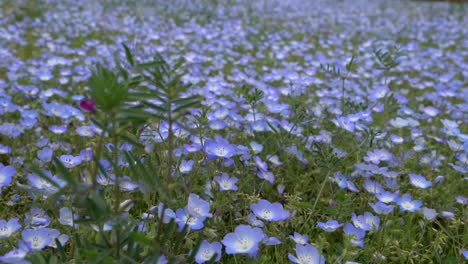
x,y
226,183
66,217
299,239
269,211
198,207
6,175
186,166
244,240
15,256
407,204
387,197
8,228
429,214
419,181
329,226
45,154
37,239
70,161
359,221
183,217
356,235
382,208
219,148
207,250
306,254
465,254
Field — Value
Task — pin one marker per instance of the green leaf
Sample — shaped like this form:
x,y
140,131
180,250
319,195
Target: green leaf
x,y
128,54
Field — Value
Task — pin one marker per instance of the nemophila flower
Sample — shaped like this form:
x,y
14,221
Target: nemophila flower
x,y
407,204
88,105
306,254
373,187
356,235
62,238
299,239
461,200
86,155
37,218
15,256
126,184
448,215
11,130
70,161
85,131
387,197
164,213
256,147
372,220
419,181
37,239
198,207
8,228
6,175
271,241
429,214
244,240
274,159
5,149
329,226
261,165
269,211
378,155
186,166
207,250
192,148
183,217
253,221
395,139
382,208
360,222
219,148
465,254
67,217
58,129
45,154
266,175
226,183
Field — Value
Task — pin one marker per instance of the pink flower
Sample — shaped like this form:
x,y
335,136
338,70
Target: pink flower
x,y
88,104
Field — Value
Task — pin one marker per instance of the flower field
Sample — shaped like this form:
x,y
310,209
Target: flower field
x,y
233,131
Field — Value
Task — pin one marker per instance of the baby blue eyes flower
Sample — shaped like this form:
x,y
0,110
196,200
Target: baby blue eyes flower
x,y
45,154
306,254
186,166
407,204
70,161
378,155
198,207
419,181
15,256
256,147
269,211
226,183
37,239
67,217
429,214
185,218
356,235
207,250
465,254
220,148
299,239
8,228
329,226
244,240
6,175
382,208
